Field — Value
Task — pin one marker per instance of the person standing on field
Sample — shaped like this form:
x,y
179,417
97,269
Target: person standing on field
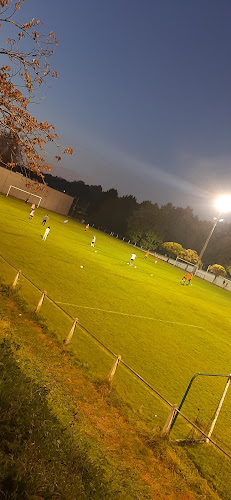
x,y
87,227
31,214
46,233
45,220
133,256
225,284
146,255
93,241
187,277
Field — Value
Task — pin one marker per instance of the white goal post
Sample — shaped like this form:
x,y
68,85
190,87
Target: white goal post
x,y
27,192
184,264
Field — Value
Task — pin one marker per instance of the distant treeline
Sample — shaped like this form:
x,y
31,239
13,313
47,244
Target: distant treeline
x,y
145,223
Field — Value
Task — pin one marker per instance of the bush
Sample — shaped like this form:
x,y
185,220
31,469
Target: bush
x,y
146,239
172,249
217,270
189,255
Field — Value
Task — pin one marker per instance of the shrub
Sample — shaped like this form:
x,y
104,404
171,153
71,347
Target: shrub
x,y
172,249
217,270
189,255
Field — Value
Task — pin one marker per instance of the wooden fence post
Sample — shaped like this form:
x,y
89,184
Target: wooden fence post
x,y
70,334
16,279
40,302
113,369
169,420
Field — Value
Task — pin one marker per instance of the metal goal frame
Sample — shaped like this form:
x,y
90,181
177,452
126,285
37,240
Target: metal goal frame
x,y
27,192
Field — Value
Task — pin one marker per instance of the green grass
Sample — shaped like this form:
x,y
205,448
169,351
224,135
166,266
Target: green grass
x,y
183,329
49,447
33,440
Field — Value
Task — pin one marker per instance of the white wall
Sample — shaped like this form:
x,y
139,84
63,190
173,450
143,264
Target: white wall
x,y
51,199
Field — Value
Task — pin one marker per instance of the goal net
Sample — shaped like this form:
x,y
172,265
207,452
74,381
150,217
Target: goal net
x,y
26,195
184,264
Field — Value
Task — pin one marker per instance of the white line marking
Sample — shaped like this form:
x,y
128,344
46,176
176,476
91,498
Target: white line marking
x,y
130,315
217,337
146,317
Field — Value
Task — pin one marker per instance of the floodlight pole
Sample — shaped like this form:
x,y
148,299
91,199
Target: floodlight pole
x,y
216,220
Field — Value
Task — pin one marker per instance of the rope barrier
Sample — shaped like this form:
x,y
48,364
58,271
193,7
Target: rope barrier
x,y
125,365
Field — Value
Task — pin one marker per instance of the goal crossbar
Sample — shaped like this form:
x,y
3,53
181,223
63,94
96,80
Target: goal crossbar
x,y
27,192
178,259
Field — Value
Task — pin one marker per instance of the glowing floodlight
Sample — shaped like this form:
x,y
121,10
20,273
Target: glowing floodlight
x,y
223,203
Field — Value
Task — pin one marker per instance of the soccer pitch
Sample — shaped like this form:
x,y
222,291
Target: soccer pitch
x,y
165,331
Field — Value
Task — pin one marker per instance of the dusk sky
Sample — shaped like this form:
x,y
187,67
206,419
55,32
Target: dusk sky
x,y
143,95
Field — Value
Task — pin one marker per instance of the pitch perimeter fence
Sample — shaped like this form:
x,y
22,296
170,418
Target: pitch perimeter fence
x,y
214,461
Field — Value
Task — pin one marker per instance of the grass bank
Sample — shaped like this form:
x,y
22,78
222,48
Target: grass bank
x,y
62,437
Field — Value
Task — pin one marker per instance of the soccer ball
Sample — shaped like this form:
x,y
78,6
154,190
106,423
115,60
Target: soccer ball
x,y
81,267
135,267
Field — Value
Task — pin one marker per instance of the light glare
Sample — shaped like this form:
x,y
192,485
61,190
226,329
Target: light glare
x,y
223,203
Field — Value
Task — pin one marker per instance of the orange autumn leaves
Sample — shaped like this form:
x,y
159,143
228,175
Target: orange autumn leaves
x,y
33,67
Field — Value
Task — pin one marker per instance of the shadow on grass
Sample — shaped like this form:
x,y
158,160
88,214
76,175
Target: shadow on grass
x,y
37,454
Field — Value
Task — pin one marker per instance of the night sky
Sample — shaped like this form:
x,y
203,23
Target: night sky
x,y
143,95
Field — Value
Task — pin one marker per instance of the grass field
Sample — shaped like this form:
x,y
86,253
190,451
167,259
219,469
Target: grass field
x,y
165,331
